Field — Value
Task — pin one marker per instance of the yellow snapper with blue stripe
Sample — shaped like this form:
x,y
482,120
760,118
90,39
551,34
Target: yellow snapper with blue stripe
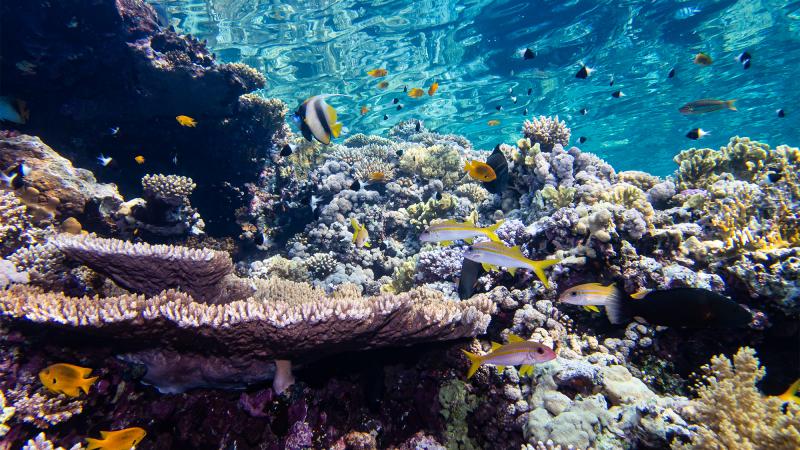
x,y
317,118
592,295
360,234
449,231
493,254
518,352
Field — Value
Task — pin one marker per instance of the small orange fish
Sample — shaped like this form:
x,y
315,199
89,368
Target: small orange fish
x,y
492,123
480,171
383,84
186,121
416,93
117,440
377,176
377,73
791,394
432,90
364,110
703,59
139,159
66,379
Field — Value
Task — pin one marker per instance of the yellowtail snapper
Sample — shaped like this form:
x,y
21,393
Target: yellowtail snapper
x,y
518,352
494,254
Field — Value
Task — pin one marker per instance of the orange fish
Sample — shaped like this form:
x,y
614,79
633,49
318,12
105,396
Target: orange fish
x,y
703,59
66,379
377,176
117,440
377,73
383,84
480,171
139,159
492,123
364,110
791,394
186,121
432,90
416,93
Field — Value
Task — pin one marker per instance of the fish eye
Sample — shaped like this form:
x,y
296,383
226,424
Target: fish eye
x,y
539,351
47,372
469,249
54,381
573,293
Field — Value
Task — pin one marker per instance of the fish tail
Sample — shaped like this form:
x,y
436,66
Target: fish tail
x,y
476,363
619,305
489,231
730,104
93,443
88,383
538,267
791,394
467,166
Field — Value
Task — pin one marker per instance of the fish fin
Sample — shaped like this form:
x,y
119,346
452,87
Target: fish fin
x,y
619,306
467,166
355,228
446,243
86,371
730,104
366,244
468,223
93,443
306,120
525,369
476,363
72,392
495,346
591,308
489,231
515,338
641,320
469,240
538,267
105,434
87,383
332,116
512,270
450,221
789,395
500,369
336,129
641,294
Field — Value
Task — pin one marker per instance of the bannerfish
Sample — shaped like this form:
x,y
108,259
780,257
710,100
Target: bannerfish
x,y
287,149
584,73
592,295
494,254
525,112
117,440
703,59
518,352
781,113
108,163
364,110
492,123
497,161
448,231
318,119
66,379
671,73
139,159
416,93
377,73
697,133
360,235
689,11
468,280
582,139
377,176
583,111
680,307
186,121
432,90
618,94
707,105
479,170
383,84
13,110
791,394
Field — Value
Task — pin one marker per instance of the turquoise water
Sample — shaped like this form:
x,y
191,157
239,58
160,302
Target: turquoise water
x,y
470,49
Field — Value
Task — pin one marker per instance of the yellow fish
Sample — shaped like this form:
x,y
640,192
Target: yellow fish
x,y
432,90
66,379
139,159
518,352
416,93
377,176
492,123
360,235
480,171
186,121
791,394
364,110
383,84
117,440
493,254
377,73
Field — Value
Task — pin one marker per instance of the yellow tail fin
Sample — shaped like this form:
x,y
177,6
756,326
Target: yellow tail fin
x,y
336,129
489,231
88,383
476,363
539,265
790,394
93,443
467,166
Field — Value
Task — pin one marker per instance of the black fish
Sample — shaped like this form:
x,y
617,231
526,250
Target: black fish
x,y
582,140
385,117
305,201
259,239
383,246
696,134
399,107
671,73
529,54
747,64
399,153
612,81
356,186
405,89
396,100
498,107
618,94
775,177
781,113
681,307
525,112
438,196
744,57
470,272
286,150
497,161
530,90
584,73
583,111
419,125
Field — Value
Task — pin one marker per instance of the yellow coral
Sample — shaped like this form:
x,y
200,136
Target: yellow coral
x,y
422,215
630,197
561,197
403,277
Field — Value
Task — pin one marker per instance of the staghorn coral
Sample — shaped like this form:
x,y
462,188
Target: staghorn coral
x,y
423,214
362,140
732,414
171,189
547,132
150,269
348,155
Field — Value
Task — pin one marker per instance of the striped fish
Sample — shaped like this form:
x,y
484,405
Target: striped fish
x,y
493,254
592,295
317,118
13,109
518,352
449,231
689,11
707,105
360,234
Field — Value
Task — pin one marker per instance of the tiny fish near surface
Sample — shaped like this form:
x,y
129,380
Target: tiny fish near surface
x,y
416,93
377,73
703,60
689,11
66,379
518,352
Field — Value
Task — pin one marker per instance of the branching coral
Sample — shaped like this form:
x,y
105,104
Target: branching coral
x,y
40,442
561,197
321,265
423,214
403,277
369,166
44,409
547,132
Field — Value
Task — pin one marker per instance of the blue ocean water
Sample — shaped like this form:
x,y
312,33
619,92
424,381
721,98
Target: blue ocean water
x,y
470,49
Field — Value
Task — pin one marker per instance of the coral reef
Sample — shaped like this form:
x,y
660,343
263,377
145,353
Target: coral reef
x,y
547,132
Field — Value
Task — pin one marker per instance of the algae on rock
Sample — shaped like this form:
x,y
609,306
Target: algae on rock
x,y
456,404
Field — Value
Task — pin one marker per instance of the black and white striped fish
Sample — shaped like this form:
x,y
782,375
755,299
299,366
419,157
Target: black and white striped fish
x,y
13,109
317,118
689,11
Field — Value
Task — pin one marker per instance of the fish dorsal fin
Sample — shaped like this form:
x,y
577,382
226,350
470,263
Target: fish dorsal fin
x,y
86,371
525,369
512,270
516,249
355,225
487,267
595,284
641,294
469,240
450,221
105,434
500,369
495,346
515,338
468,223
331,114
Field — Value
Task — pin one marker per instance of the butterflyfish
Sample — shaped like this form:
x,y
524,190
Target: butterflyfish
x,y
479,170
707,105
117,440
791,394
497,161
697,133
449,231
377,73
494,254
492,123
186,121
364,110
318,119
432,90
703,59
416,93
139,159
383,84
360,234
518,352
66,379
13,109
